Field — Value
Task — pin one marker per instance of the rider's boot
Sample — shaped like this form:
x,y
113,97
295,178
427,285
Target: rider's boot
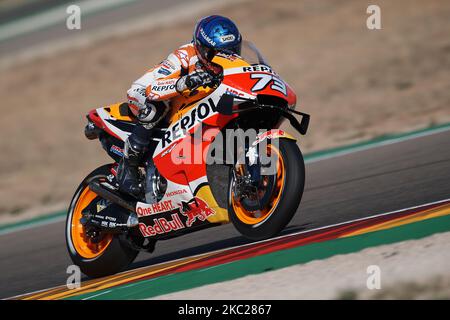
x,y
128,171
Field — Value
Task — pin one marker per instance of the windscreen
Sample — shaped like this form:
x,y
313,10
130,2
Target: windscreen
x,y
251,54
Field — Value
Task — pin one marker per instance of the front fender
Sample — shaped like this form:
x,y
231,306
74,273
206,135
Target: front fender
x,y
272,134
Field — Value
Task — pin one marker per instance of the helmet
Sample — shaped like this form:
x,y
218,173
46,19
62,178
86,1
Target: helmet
x,y
214,34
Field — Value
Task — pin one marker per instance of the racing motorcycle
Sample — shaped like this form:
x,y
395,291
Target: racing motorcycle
x,y
106,229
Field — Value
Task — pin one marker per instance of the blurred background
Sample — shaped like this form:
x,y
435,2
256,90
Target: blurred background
x,y
356,83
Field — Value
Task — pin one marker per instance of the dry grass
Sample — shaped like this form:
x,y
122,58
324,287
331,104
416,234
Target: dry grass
x,y
434,288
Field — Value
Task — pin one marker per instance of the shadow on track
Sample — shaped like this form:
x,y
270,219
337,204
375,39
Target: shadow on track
x,y
213,246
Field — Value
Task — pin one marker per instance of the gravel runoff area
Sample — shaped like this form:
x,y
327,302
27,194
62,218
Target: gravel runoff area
x,y
415,269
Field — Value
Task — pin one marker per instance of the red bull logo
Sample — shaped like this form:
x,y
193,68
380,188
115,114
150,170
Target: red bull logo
x,y
161,226
196,209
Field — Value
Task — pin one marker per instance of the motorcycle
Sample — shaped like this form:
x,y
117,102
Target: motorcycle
x,y
106,229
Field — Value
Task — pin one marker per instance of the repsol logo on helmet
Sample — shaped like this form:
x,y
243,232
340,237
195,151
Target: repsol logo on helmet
x,y
199,113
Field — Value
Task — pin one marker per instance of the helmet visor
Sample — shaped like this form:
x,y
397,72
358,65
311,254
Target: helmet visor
x,y
206,52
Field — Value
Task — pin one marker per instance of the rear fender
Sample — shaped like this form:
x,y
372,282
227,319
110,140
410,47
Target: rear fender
x,y
113,121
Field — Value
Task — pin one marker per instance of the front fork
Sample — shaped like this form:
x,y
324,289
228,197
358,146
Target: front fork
x,y
255,174
247,171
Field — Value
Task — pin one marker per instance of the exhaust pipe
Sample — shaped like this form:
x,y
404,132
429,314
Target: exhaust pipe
x,y
108,195
132,220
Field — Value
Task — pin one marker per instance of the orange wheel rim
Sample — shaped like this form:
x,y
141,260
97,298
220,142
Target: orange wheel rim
x,y
82,243
255,217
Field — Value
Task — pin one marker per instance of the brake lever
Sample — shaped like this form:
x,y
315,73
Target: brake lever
x,y
214,83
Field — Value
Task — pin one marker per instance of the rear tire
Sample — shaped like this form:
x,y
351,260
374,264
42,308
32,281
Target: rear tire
x,y
287,204
113,257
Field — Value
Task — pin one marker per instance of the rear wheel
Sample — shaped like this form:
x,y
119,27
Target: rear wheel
x,y
97,254
264,213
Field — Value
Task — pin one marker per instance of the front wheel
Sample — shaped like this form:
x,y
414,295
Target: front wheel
x,y
97,254
264,212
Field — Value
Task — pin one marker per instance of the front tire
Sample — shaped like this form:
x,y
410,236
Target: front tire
x,y
95,259
285,196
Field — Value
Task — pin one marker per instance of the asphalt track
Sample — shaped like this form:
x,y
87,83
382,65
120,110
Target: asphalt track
x,y
103,19
338,189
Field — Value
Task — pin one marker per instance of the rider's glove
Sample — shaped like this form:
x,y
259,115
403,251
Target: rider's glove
x,y
193,81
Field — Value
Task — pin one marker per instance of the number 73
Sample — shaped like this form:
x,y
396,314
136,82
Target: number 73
x,y
263,81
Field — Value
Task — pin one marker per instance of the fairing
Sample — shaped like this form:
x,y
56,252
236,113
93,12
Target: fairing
x,y
187,178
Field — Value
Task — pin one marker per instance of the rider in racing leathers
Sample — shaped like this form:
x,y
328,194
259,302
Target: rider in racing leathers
x,y
184,70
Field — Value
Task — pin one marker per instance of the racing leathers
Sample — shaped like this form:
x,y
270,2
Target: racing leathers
x,y
149,100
